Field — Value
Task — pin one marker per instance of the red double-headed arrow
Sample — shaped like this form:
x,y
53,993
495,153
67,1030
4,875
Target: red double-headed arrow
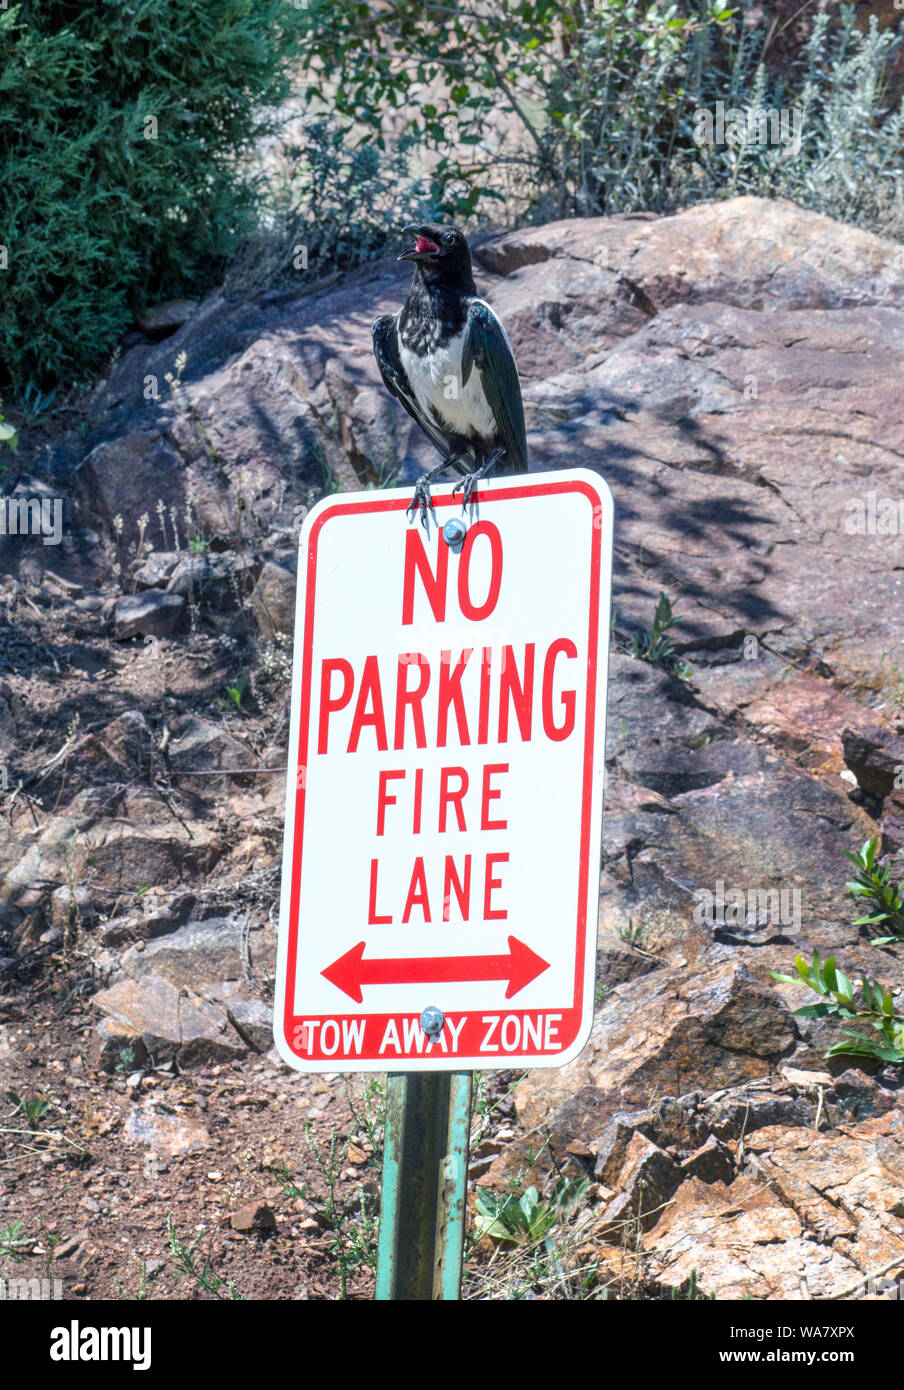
x,y
351,971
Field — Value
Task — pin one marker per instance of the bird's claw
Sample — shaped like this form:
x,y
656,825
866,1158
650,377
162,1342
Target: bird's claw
x,y
467,484
421,499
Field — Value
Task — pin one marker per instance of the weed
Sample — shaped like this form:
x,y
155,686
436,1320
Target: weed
x,y
353,1227
538,1246
126,1058
526,1218
203,1275
873,883
146,1277
837,992
692,1294
634,934
387,471
370,1119
482,1105
34,1109
328,479
655,646
35,401
50,1241
13,1244
235,693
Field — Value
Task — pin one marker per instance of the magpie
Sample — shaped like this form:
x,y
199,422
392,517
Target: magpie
x,y
448,359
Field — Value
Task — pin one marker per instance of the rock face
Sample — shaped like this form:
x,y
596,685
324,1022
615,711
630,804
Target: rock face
x,y
734,372
197,954
810,1217
676,1030
273,600
694,360
173,1023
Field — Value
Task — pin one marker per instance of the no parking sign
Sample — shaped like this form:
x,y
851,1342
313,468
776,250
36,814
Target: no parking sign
x,y
446,778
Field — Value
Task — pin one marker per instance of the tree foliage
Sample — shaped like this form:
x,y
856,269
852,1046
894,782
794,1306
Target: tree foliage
x,y
125,129
600,99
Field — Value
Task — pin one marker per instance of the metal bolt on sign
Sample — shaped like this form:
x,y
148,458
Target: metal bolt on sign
x,y
432,1020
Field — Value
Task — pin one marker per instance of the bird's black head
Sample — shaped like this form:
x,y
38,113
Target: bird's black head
x,y
440,254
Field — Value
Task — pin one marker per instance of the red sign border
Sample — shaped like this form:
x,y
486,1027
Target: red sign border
x,y
573,1014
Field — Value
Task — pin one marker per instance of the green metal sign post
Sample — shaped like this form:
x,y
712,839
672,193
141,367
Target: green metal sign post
x,y
425,1184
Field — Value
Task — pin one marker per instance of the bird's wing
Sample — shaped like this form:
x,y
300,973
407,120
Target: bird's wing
x,y
486,347
395,378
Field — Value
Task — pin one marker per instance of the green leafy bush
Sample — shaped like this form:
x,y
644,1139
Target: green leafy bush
x,y
341,200
601,103
125,136
875,1010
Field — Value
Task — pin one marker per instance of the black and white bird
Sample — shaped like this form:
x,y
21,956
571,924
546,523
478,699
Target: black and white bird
x,y
447,358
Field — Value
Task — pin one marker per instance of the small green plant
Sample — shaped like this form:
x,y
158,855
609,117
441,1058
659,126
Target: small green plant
x,y
49,1243
370,1118
126,1058
13,1244
188,1262
654,644
34,1108
876,1010
235,692
634,934
198,546
353,1229
515,1219
35,401
873,884
692,1293
146,1277
483,1103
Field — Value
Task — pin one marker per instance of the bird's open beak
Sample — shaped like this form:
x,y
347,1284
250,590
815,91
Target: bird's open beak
x,y
423,247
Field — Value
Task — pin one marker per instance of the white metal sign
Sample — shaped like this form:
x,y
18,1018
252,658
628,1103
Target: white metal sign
x,y
446,778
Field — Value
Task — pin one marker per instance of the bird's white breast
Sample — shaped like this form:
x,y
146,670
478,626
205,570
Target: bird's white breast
x,y
436,382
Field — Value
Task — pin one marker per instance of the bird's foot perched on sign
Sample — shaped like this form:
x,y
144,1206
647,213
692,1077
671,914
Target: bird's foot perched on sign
x,y
470,481
422,498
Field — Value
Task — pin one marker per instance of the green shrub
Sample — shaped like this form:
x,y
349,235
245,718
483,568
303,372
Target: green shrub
x,y
601,101
341,201
125,135
875,1010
